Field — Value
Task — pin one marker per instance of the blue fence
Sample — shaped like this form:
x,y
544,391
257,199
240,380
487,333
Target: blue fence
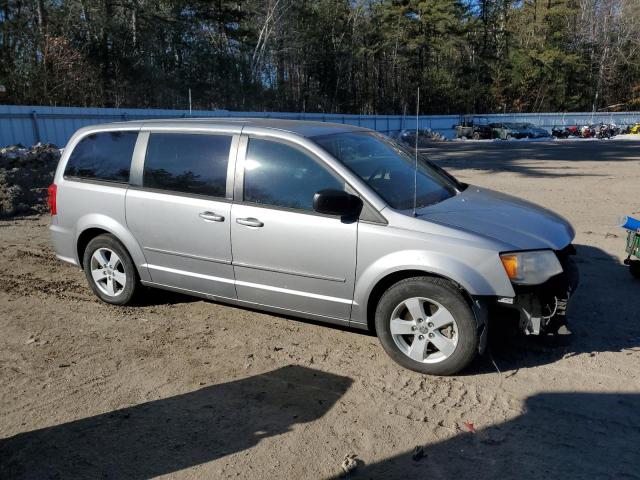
x,y
29,125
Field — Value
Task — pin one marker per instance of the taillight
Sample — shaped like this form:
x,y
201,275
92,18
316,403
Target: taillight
x,y
51,198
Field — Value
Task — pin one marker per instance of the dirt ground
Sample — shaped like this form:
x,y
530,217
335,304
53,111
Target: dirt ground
x,y
183,388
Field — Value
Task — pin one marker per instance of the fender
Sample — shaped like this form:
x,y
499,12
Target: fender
x,y
482,279
103,222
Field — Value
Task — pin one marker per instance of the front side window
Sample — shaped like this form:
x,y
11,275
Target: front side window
x,y
389,169
103,156
280,175
187,163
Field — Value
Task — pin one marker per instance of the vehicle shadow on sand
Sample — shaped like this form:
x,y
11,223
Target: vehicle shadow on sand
x,y
171,434
603,317
150,297
560,436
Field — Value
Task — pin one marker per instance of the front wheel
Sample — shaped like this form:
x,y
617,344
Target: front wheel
x,y
425,325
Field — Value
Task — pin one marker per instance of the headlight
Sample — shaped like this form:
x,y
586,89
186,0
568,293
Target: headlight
x,y
531,268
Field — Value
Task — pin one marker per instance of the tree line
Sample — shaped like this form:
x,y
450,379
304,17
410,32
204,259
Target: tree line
x,y
334,56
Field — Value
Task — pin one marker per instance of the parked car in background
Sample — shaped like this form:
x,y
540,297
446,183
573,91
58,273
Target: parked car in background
x,y
506,130
473,127
464,128
482,131
325,221
533,131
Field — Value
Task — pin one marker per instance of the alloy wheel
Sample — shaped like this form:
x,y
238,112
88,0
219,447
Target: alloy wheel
x,y
424,330
108,272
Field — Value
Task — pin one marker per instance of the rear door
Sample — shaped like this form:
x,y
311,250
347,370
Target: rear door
x,y
178,208
285,254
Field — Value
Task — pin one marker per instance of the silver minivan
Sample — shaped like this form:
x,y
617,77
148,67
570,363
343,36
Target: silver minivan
x,y
329,222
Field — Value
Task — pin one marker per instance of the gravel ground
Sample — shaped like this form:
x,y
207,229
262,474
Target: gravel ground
x,y
184,388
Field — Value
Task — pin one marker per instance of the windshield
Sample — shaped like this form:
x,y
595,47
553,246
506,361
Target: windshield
x,y
388,168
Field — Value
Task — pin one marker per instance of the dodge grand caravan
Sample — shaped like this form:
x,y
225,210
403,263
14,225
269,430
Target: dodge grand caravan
x,y
323,221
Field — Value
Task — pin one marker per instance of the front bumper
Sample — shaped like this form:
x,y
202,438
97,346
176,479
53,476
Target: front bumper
x,y
542,308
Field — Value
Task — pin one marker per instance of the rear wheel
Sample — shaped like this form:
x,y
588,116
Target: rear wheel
x,y
426,325
110,270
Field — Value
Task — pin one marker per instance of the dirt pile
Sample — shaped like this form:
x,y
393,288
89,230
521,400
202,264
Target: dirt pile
x,y
25,174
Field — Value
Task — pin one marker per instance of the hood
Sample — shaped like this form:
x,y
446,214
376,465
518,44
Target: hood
x,y
517,223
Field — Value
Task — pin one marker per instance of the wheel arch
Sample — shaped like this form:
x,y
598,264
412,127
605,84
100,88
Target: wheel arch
x,y
89,228
384,283
83,240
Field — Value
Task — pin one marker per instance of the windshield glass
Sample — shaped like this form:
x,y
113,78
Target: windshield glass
x,y
388,168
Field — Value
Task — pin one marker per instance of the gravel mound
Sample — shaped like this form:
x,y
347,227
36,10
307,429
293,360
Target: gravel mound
x,y
25,174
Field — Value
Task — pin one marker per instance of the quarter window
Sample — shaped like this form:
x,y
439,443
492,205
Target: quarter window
x,y
189,163
279,175
103,156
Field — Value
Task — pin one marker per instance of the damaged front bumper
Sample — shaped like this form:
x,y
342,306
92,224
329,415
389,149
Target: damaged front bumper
x,y
542,308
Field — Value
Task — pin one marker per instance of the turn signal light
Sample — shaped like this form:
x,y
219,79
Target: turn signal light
x,y
510,263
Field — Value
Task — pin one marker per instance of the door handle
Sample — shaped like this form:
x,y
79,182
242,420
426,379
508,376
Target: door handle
x,y
211,217
249,222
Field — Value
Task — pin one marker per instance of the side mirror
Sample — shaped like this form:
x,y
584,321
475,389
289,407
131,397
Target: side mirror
x,y
337,202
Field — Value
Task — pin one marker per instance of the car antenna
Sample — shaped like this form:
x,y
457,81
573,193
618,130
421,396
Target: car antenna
x,y
415,169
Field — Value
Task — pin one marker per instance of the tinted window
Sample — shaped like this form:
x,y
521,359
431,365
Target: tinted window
x,y
103,156
280,175
187,163
389,169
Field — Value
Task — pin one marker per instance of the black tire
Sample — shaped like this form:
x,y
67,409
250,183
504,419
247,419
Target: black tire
x,y
127,293
446,295
634,268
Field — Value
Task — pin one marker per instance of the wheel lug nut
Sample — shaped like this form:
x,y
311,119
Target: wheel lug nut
x,y
431,335
413,328
420,320
430,325
421,337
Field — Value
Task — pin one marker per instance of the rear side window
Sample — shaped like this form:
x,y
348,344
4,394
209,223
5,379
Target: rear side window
x,y
103,156
188,163
279,175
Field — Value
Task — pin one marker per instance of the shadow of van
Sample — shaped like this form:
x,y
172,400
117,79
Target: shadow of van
x,y
561,436
171,434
